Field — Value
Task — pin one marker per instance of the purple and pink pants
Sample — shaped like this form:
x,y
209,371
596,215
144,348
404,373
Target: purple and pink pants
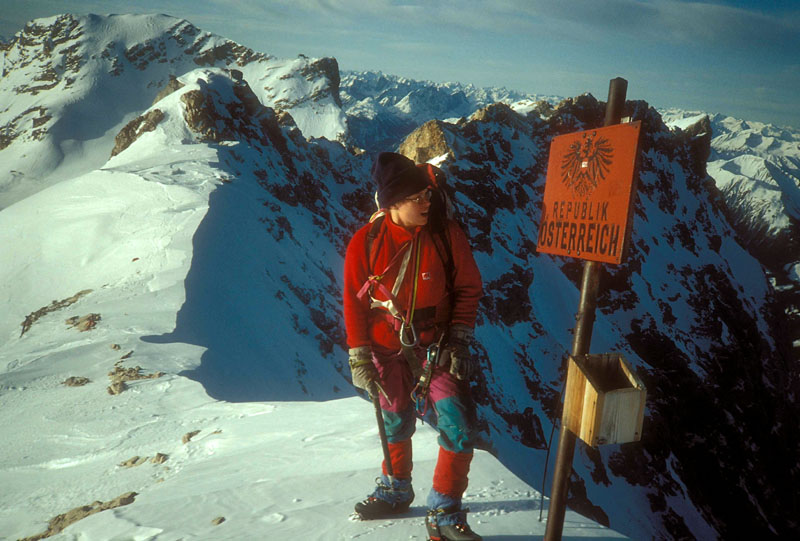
x,y
449,409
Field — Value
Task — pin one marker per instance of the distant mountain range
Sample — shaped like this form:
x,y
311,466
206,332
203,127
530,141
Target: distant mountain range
x,y
383,109
698,308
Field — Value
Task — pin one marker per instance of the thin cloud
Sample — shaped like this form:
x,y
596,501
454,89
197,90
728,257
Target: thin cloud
x,y
686,23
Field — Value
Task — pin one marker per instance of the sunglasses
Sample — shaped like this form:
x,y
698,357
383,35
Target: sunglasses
x,y
426,196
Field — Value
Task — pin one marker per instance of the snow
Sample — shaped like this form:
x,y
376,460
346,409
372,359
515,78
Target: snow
x,y
270,468
754,163
129,57
136,232
794,273
220,266
284,470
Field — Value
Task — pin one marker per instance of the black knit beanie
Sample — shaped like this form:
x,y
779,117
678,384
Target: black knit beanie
x,y
397,177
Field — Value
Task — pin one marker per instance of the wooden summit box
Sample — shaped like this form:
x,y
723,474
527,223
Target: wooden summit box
x,y
604,400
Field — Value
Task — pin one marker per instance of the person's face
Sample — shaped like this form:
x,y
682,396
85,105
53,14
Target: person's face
x,y
412,211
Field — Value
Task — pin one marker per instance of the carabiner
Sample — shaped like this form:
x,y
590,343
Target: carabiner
x,y
433,354
419,396
415,341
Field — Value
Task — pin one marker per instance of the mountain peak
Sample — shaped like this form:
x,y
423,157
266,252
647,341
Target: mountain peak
x,y
77,81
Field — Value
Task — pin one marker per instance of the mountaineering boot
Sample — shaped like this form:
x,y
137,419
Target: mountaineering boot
x,y
387,499
449,525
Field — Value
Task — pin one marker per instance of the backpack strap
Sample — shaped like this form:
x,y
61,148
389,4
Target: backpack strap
x,y
377,221
374,281
446,257
445,252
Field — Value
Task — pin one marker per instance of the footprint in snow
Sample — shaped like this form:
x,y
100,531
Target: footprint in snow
x,y
273,518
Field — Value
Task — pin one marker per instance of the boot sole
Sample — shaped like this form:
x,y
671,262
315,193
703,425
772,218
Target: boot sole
x,y
399,510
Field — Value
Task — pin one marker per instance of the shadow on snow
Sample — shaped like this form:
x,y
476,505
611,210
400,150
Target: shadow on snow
x,y
260,342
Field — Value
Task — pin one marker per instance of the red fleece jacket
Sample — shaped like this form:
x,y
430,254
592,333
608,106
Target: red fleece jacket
x,y
369,327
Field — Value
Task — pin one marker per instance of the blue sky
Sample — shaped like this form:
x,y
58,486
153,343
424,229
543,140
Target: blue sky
x,y
737,57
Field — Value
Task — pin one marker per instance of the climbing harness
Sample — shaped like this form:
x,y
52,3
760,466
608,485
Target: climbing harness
x,y
409,324
404,324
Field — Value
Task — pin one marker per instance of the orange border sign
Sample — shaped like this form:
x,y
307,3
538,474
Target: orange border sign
x,y
588,193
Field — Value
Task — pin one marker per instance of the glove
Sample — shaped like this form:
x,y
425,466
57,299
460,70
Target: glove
x,y
461,361
362,370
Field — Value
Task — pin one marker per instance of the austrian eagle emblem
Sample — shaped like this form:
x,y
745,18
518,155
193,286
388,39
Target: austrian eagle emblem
x,y
586,163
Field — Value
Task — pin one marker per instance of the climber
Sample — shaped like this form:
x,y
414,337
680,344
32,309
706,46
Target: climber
x,y
411,292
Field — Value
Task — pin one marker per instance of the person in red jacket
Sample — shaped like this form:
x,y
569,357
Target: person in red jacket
x,y
406,287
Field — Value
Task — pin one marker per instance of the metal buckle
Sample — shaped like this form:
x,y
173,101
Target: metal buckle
x,y
415,339
433,354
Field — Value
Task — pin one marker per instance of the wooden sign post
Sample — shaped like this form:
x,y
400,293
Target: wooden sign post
x,y
586,214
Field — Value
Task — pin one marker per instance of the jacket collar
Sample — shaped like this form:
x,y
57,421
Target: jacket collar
x,y
399,232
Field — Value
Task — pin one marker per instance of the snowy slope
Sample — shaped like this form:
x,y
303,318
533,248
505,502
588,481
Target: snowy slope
x,y
139,233
57,120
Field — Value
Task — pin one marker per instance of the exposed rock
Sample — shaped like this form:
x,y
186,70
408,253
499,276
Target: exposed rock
x,y
84,323
188,436
426,142
120,375
37,117
502,114
75,381
217,521
57,524
133,461
700,135
578,113
160,458
328,68
172,85
53,307
135,128
217,119
116,387
131,374
229,52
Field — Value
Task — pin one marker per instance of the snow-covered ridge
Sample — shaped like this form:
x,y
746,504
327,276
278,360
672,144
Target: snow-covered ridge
x,y
57,73
756,167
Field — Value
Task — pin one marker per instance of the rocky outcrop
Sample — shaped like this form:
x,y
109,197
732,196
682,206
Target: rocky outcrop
x,y
328,69
698,137
52,307
135,128
426,142
31,124
216,118
58,523
172,85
